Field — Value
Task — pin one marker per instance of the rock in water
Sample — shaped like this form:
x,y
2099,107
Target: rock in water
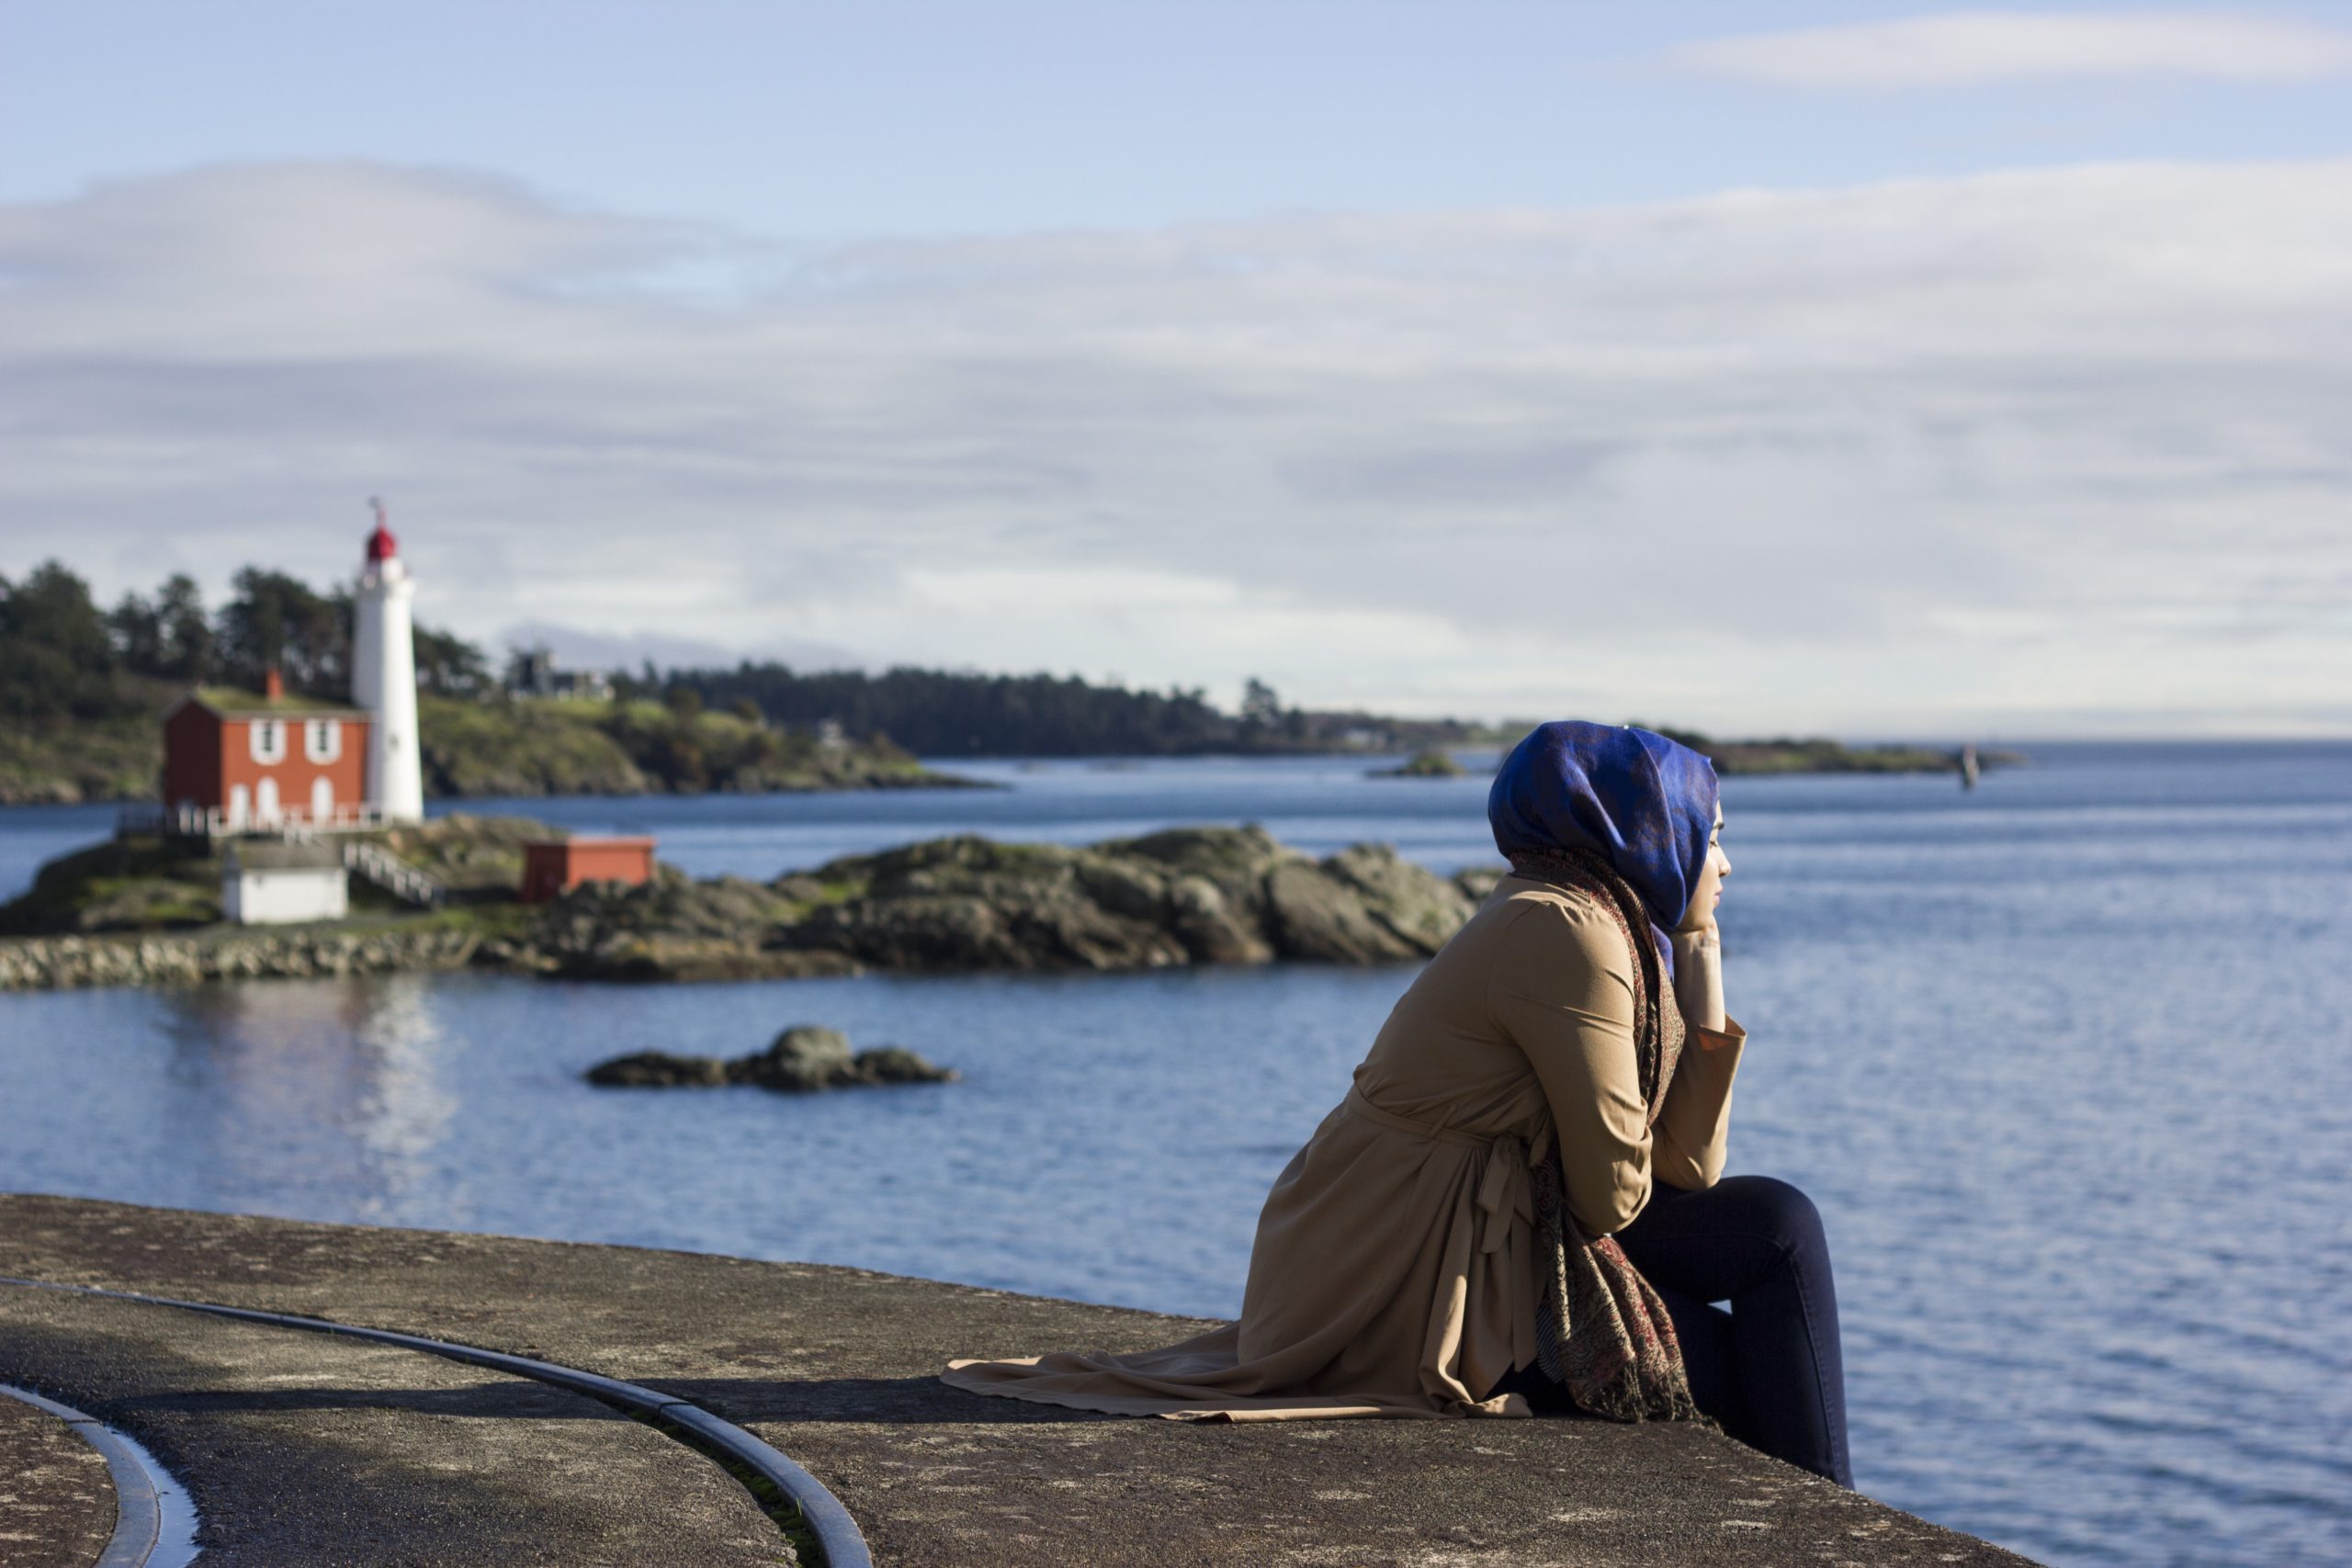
x,y
1476,881
1428,762
1321,918
895,1064
803,1058
1416,904
659,1069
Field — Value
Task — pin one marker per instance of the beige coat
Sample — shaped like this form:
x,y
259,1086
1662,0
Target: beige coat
x,y
1393,1269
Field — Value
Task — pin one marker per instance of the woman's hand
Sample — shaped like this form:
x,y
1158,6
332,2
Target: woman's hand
x,y
1699,976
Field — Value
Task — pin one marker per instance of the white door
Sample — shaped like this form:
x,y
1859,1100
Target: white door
x,y
265,800
241,805
321,800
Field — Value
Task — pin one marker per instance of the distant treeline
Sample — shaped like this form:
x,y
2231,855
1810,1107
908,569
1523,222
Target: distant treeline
x,y
936,713
63,657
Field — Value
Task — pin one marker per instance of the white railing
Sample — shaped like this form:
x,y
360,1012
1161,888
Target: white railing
x,y
393,875
375,863
214,822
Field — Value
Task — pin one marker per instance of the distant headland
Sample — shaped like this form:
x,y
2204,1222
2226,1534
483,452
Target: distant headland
x,y
81,688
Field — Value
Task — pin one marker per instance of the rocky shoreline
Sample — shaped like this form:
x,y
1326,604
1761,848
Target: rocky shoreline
x,y
1187,896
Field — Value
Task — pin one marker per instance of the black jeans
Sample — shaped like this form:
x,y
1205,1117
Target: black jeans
x,y
1769,1368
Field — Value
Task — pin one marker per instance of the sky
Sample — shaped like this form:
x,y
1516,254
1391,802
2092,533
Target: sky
x,y
1871,370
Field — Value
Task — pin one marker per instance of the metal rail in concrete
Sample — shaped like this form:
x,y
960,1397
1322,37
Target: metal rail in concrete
x,y
155,1522
837,1534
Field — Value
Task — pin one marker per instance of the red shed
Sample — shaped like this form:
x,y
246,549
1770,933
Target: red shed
x,y
239,760
555,866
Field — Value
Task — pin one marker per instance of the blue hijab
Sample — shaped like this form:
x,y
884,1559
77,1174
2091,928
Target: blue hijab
x,y
1643,803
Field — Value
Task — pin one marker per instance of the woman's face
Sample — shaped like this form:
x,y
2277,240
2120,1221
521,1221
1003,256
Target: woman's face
x,y
1709,891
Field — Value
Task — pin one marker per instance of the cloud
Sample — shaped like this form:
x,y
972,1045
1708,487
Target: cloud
x,y
1994,452
1955,49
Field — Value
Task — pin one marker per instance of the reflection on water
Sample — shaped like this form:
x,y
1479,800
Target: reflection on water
x,y
335,1087
2064,1062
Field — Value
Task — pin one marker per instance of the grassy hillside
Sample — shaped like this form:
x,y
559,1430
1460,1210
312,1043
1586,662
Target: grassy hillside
x,y
628,748
482,749
60,761
474,749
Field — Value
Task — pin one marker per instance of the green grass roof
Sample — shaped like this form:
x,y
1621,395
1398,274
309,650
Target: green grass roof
x,y
228,702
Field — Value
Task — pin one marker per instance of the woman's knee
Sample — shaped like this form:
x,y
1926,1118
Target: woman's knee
x,y
1775,1210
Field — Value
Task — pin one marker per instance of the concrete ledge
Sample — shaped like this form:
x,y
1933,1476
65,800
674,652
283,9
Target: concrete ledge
x,y
836,1367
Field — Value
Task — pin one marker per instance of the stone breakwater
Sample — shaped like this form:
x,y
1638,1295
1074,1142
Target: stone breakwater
x,y
66,961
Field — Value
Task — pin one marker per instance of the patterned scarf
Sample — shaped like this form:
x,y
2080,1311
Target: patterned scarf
x,y
1602,1331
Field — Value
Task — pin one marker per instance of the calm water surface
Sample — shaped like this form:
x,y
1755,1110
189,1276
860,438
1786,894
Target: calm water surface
x,y
2066,1062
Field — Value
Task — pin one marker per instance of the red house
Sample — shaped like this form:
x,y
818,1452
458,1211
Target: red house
x,y
235,759
555,866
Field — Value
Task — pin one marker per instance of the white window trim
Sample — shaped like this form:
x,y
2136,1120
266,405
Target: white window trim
x,y
321,739
262,733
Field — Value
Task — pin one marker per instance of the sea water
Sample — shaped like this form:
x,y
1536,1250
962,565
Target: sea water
x,y
2066,1062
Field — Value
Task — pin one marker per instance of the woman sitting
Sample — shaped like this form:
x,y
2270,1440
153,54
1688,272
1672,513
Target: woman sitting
x,y
1516,1209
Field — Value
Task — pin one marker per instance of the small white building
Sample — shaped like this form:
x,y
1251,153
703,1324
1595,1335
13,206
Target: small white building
x,y
264,882
535,675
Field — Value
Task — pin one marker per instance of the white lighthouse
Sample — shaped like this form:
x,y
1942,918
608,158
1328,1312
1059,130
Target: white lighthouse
x,y
383,678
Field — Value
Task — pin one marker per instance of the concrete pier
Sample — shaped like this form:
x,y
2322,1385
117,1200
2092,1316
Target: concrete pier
x,y
302,1447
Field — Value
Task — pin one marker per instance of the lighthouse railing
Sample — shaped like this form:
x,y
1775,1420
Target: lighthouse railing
x,y
145,817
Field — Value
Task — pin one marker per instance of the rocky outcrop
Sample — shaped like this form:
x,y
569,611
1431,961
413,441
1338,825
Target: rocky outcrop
x,y
672,928
802,1059
71,961
1183,896
1479,880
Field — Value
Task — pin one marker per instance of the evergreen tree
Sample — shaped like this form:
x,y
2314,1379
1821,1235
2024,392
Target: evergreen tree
x,y
449,666
137,633
184,639
276,622
56,658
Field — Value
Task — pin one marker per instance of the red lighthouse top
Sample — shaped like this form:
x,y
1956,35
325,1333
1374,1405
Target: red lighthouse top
x,y
382,546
